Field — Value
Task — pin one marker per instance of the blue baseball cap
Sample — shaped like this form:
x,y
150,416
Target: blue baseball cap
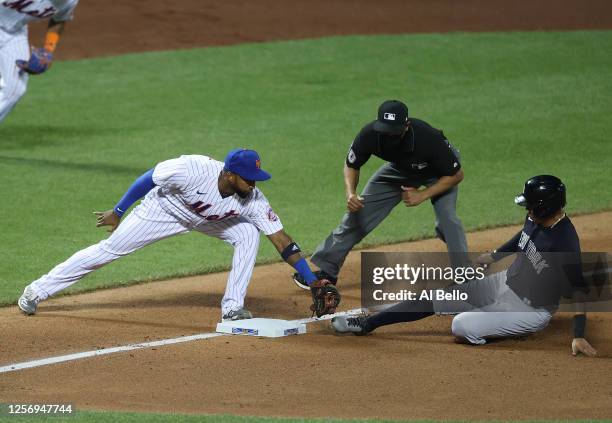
x,y
247,164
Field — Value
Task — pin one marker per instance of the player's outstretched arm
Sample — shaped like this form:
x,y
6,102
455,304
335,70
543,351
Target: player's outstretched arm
x,y
579,344
135,192
290,252
325,296
107,218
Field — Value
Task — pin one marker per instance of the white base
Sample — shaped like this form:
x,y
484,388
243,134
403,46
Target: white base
x,y
271,328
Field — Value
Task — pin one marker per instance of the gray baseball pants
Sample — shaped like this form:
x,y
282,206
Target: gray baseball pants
x,y
492,310
381,194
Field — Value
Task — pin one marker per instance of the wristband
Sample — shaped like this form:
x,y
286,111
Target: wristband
x,y
51,40
579,325
290,250
304,270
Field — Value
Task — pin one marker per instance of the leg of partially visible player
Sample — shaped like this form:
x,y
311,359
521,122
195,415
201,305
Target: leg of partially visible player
x,y
14,83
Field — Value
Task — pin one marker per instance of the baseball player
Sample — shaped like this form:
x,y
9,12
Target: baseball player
x,y
16,60
191,193
516,302
418,155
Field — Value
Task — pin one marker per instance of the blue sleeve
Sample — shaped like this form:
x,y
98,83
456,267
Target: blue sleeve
x,y
304,270
139,189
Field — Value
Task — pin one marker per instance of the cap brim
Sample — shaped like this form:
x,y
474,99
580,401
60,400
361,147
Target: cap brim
x,y
259,175
387,128
262,175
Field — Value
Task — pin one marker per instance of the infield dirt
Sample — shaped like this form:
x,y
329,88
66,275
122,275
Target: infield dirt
x,y
412,371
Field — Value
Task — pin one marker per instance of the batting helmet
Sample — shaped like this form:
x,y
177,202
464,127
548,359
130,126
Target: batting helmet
x,y
543,195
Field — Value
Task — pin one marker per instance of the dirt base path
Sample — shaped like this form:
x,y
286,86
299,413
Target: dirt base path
x,y
101,28
411,371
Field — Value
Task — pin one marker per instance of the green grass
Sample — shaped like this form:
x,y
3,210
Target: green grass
x,y
115,417
515,104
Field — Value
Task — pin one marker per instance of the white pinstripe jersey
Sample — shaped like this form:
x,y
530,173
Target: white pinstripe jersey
x,y
15,14
187,188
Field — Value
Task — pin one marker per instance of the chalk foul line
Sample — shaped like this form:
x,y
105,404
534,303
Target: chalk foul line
x,y
144,345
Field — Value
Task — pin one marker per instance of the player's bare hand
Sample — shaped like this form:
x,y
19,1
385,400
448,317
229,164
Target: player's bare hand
x,y
484,259
354,203
412,197
581,345
107,218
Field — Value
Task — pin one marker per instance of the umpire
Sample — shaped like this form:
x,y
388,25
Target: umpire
x,y
418,155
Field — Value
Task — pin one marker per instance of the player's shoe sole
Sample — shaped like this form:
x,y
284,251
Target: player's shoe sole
x,y
320,274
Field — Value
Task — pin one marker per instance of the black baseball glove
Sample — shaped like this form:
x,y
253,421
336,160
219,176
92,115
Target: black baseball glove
x,y
325,297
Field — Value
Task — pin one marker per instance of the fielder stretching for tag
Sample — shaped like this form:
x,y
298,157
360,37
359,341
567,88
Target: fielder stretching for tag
x,y
519,301
182,195
16,60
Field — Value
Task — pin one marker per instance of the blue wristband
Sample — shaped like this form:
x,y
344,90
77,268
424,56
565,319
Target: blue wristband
x,y
304,270
139,189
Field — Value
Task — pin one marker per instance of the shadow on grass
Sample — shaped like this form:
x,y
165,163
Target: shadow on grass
x,y
86,167
27,136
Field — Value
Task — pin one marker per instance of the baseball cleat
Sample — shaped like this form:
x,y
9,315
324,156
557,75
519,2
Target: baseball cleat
x,y
357,325
28,302
320,274
240,314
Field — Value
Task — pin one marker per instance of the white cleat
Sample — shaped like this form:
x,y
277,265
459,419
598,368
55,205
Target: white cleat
x,y
28,302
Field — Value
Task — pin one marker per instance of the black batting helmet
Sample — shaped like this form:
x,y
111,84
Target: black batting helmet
x,y
543,195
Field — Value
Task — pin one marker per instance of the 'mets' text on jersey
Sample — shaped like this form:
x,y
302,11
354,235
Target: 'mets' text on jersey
x,y
187,188
423,151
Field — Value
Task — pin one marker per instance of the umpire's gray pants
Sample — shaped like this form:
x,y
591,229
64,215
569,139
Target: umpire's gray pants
x,y
381,194
492,310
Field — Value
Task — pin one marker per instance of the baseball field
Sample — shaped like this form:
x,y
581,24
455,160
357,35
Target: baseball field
x,y
520,90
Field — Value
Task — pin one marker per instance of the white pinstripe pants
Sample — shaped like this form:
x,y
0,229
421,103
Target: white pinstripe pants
x,y
149,223
12,85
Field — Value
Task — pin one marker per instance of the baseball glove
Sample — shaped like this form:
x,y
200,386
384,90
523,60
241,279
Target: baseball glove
x,y
40,60
325,297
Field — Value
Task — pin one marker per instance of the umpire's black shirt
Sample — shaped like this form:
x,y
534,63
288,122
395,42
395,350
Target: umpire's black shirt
x,y
423,151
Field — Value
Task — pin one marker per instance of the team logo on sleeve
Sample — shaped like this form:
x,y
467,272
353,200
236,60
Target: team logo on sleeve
x,y
351,156
272,217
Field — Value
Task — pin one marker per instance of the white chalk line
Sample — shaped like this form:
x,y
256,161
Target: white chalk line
x,y
172,341
160,343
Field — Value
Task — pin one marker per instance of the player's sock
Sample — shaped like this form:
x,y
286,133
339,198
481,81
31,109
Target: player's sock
x,y
406,311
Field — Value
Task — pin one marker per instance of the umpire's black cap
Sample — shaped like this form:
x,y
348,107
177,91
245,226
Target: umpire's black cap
x,y
392,117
